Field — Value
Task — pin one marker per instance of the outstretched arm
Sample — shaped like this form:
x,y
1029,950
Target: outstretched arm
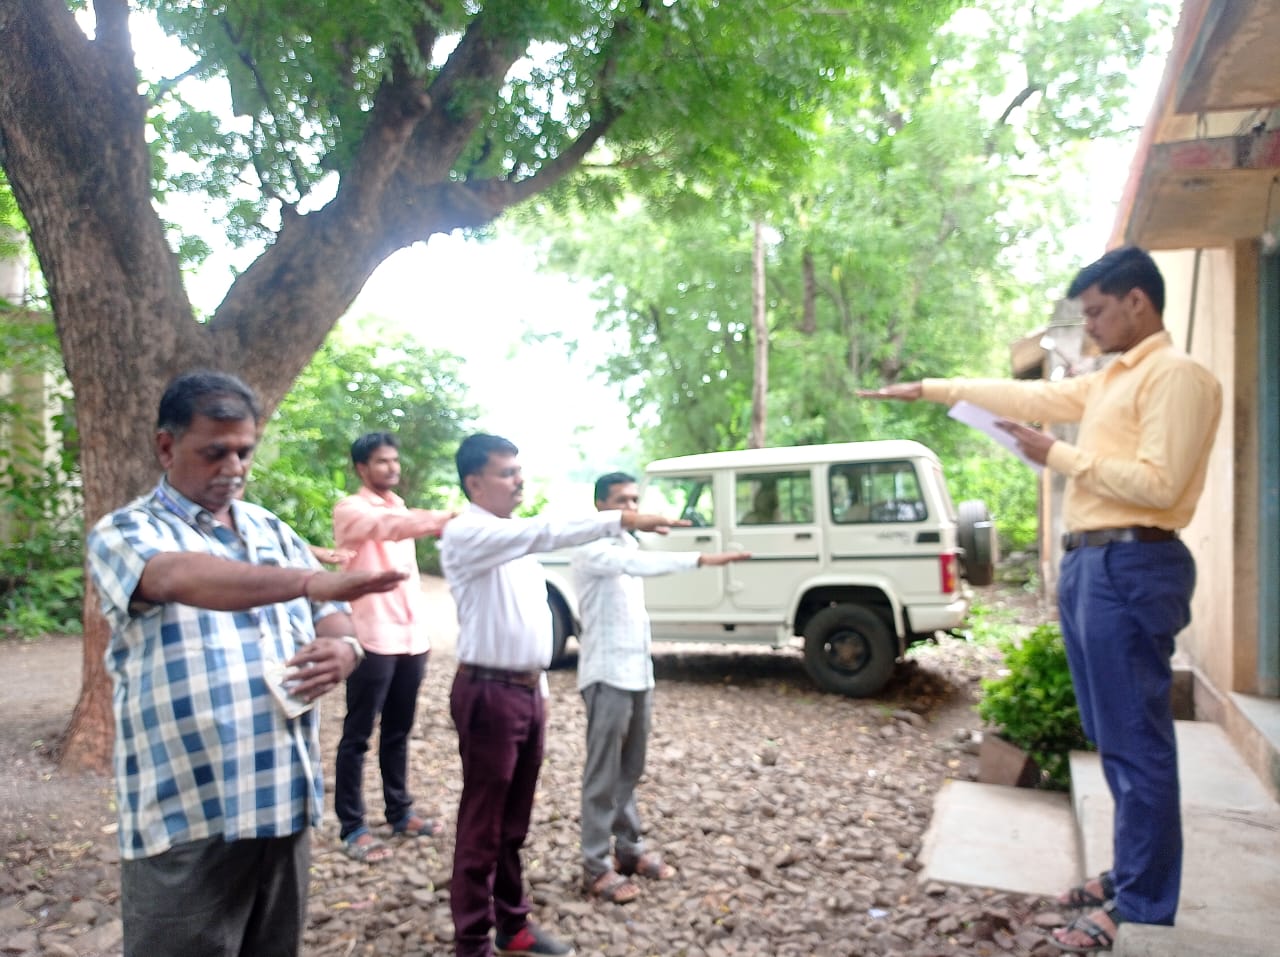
x,y
221,584
643,522
902,391
355,522
723,558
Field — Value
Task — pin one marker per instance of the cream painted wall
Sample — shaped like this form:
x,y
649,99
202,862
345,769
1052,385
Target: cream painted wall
x,y
1210,642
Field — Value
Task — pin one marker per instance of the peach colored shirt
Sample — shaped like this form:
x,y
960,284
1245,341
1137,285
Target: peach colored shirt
x,y
381,531
1147,423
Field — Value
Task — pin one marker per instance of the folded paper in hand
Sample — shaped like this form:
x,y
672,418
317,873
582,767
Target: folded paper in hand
x,y
984,421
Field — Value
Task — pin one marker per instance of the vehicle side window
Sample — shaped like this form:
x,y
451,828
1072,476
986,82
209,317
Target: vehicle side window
x,y
683,496
876,492
774,498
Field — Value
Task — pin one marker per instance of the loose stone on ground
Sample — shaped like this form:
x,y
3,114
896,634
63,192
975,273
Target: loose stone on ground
x,y
794,817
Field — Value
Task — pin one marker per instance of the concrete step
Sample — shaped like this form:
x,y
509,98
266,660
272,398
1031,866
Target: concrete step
x,y
1036,842
1006,838
1231,858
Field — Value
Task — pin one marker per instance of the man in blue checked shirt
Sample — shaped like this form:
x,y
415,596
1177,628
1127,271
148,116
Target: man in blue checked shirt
x,y
224,632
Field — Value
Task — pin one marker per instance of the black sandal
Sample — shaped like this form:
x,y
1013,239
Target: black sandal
x,y
1099,939
1080,898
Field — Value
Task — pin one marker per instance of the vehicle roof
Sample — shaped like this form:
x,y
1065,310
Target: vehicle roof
x,y
794,455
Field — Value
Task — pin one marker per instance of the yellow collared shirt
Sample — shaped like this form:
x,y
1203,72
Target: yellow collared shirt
x,y
1147,423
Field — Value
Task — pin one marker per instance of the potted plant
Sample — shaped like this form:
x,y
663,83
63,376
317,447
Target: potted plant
x,y
1032,705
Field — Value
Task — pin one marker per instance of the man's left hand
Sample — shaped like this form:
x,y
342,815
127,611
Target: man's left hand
x,y
1033,443
321,666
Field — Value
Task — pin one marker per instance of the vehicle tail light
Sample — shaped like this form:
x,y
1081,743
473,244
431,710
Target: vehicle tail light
x,y
947,566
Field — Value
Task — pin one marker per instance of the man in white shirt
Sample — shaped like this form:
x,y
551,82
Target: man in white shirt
x,y
615,676
497,700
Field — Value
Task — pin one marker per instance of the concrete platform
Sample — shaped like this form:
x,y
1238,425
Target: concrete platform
x,y
1035,842
1010,839
1231,857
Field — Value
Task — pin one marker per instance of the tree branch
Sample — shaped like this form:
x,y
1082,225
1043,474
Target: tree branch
x,y
1018,100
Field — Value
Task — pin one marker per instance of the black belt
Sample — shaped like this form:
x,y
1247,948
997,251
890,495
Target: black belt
x,y
525,679
1106,536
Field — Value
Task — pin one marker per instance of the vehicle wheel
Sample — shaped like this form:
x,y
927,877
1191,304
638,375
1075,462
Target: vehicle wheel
x,y
977,536
849,650
561,627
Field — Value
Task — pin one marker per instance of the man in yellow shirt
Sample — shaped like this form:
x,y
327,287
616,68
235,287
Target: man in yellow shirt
x,y
1134,475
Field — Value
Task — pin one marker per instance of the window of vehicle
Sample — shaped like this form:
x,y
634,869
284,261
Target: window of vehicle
x,y
866,492
683,496
774,498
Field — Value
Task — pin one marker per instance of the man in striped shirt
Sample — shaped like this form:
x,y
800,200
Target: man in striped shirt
x,y
224,632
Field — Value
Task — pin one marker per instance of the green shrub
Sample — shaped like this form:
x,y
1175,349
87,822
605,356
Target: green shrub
x,y
1033,705
41,525
46,602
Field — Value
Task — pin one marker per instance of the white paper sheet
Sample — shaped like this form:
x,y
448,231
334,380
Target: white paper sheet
x,y
984,420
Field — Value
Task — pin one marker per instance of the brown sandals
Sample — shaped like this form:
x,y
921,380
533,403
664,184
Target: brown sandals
x,y
612,887
649,865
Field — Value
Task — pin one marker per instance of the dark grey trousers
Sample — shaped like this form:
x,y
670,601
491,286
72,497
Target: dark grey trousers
x,y
216,898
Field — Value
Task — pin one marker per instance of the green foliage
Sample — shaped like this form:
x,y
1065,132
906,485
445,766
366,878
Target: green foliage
x,y
1033,705
1009,489
900,246
686,91
988,625
41,548
367,379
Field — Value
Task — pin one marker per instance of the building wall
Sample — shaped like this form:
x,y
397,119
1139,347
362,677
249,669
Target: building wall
x,y
1207,312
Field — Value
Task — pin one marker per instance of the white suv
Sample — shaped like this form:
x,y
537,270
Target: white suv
x,y
856,547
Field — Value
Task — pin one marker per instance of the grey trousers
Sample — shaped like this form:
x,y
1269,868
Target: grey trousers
x,y
617,738
216,898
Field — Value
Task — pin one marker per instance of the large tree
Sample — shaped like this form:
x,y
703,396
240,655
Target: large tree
x,y
414,117
923,232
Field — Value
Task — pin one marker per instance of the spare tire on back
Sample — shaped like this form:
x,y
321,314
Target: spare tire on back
x,y
976,533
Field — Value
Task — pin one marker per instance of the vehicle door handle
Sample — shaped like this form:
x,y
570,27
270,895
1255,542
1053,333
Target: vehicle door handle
x,y
702,538
803,536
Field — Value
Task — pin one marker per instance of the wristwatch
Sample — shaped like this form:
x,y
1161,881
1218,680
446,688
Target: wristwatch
x,y
355,645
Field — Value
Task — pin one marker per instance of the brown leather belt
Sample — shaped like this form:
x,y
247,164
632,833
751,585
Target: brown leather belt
x,y
1107,536
525,679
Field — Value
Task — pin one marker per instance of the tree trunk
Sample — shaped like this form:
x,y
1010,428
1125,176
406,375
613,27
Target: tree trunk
x,y
122,315
72,140
760,327
809,308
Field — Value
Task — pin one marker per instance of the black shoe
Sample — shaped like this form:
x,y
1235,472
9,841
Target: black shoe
x,y
530,940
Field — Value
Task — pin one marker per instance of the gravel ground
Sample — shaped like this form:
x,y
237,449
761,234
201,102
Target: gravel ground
x,y
794,817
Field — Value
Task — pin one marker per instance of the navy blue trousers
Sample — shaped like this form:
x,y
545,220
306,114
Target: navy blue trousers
x,y
1121,606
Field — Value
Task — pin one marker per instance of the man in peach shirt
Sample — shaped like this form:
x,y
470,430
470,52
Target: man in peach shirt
x,y
1134,476
378,531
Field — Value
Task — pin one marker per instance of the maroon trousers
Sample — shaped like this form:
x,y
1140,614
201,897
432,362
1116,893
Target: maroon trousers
x,y
501,730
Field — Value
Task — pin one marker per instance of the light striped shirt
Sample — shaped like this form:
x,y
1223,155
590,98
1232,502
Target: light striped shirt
x,y
615,635
202,747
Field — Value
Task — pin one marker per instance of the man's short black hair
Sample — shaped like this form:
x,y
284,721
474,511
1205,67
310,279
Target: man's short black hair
x,y
215,395
1118,272
606,482
369,443
473,455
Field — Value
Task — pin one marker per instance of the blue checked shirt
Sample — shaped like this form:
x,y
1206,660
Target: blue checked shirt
x,y
202,746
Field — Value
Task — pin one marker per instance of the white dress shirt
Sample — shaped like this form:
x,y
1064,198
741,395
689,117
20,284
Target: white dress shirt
x,y
504,620
615,638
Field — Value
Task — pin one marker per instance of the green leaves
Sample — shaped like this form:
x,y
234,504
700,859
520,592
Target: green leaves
x,y
1034,706
368,378
41,550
